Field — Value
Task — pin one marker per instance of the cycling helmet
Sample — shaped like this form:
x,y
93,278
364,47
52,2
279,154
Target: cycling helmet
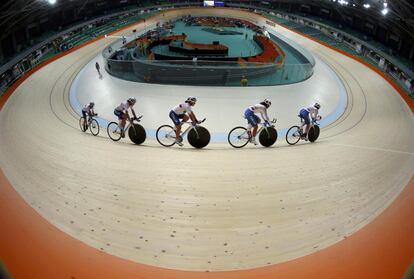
x,y
132,100
267,103
191,100
317,106
91,104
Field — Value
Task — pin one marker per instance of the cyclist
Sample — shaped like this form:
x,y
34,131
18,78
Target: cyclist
x,y
121,112
87,113
309,114
183,111
253,119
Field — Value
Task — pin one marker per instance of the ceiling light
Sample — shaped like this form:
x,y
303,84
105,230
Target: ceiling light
x,y
51,2
367,6
384,11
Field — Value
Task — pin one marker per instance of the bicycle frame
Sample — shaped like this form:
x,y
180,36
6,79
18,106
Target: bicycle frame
x,y
263,126
302,124
191,126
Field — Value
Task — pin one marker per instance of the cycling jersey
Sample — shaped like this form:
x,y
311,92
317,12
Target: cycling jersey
x,y
182,108
87,109
259,108
123,107
308,113
313,112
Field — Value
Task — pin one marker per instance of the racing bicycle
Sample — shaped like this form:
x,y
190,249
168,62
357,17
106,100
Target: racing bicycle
x,y
295,133
92,124
239,137
135,131
197,135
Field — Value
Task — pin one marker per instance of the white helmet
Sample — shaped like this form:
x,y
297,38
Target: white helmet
x,y
267,103
317,106
191,100
132,100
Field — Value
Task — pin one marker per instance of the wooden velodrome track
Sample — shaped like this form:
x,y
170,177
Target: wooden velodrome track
x,y
76,206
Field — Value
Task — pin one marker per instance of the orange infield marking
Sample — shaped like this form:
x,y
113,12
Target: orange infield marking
x,y
31,247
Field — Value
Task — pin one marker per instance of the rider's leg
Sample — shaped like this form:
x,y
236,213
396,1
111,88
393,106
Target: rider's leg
x,y
178,128
122,123
249,131
177,131
253,136
85,122
255,131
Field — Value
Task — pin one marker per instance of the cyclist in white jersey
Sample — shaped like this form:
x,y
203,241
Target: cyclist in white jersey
x,y
183,111
88,111
309,114
253,119
121,112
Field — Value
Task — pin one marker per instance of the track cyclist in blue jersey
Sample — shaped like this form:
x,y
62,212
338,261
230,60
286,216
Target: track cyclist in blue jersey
x,y
121,112
253,119
87,113
309,114
183,111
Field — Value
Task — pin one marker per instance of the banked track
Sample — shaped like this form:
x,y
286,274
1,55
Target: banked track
x,y
328,209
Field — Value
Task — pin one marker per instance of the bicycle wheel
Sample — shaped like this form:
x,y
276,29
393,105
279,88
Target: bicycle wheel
x,y
166,135
293,135
313,133
198,137
137,133
268,137
238,137
114,132
82,124
94,127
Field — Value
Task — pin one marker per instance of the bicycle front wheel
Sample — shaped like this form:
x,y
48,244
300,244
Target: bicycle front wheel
x,y
114,132
293,135
82,124
94,127
238,137
166,135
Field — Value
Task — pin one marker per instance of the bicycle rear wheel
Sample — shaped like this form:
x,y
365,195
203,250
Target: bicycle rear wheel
x,y
94,127
166,135
238,137
313,133
268,136
114,132
82,123
198,137
137,133
293,135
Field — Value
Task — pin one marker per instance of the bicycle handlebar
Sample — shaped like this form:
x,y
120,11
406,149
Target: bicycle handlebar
x,y
190,122
136,118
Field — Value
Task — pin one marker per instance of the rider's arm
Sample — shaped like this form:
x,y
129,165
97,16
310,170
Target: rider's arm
x,y
133,112
193,117
313,113
263,113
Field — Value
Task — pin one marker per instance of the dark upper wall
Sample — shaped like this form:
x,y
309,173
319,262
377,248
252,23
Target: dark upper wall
x,y
23,20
